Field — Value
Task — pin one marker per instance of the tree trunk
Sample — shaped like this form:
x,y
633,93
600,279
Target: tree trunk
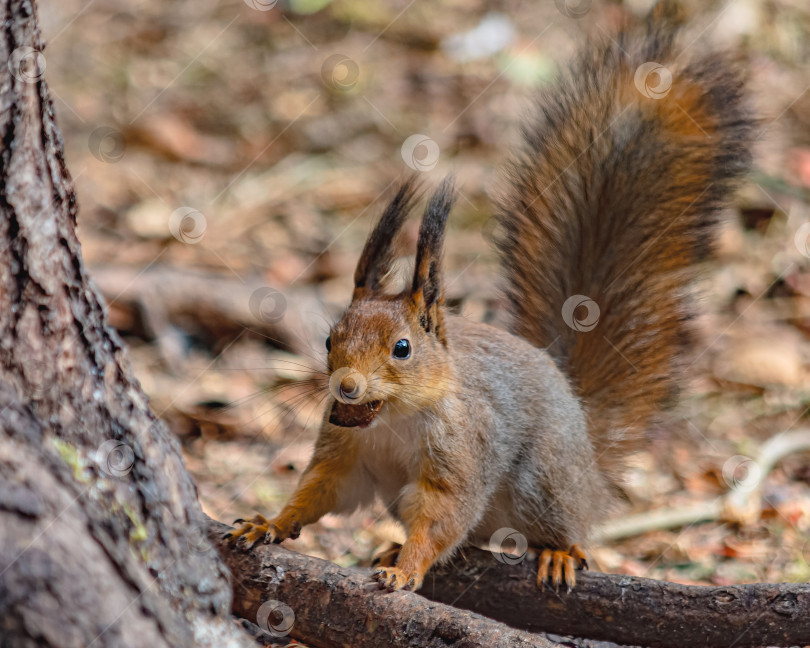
x,y
101,536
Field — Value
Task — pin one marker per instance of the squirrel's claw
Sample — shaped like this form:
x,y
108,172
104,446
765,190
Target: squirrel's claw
x,y
260,529
556,566
392,578
579,556
248,533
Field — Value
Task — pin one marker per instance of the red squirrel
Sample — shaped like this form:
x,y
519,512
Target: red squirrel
x,y
461,428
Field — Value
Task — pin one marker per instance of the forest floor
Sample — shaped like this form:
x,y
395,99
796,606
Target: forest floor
x,y
229,161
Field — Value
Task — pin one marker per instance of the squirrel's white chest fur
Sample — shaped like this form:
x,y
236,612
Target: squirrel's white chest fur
x,y
389,451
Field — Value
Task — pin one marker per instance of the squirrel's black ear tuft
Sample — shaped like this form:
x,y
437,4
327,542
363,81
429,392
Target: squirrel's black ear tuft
x,y
378,253
427,286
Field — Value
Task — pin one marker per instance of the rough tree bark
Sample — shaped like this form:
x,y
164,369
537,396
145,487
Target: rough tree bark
x,y
101,542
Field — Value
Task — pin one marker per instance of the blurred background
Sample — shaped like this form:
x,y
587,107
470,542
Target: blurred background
x,y
231,156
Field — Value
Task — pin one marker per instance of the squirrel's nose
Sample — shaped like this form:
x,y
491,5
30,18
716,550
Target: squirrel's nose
x,y
347,385
350,387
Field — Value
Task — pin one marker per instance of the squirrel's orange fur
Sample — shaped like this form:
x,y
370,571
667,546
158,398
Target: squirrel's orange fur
x,y
463,429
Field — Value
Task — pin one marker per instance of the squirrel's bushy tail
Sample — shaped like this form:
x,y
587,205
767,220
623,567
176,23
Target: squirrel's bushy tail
x,y
611,202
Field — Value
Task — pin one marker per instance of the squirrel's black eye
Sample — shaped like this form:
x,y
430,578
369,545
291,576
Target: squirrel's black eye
x,y
328,344
402,349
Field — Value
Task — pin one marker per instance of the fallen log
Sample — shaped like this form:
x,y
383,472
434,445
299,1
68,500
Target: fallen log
x,y
325,605
626,609
337,604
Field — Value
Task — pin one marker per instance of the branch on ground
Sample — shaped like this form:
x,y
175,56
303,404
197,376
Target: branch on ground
x,y
740,505
325,605
334,605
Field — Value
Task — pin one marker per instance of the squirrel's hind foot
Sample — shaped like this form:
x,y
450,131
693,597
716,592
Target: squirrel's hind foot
x,y
557,565
394,578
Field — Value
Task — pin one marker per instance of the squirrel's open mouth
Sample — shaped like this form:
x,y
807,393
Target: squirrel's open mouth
x,y
354,415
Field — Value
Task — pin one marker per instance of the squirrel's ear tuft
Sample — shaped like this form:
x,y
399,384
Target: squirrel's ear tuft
x,y
378,253
427,289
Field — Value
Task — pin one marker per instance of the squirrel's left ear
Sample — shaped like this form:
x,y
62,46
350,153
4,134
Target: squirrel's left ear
x,y
427,291
378,254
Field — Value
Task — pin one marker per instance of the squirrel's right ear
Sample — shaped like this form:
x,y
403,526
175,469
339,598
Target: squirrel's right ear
x,y
378,253
427,292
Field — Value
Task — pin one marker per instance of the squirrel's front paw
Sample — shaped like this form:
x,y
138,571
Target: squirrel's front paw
x,y
393,578
260,529
248,532
556,566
